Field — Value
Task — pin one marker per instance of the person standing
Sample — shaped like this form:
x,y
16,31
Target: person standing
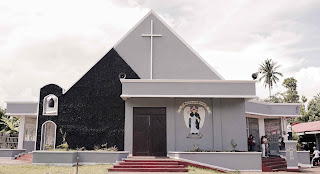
x,y
289,130
266,144
250,142
281,143
316,155
263,147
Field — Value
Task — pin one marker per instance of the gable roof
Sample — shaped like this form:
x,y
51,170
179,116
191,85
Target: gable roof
x,y
173,58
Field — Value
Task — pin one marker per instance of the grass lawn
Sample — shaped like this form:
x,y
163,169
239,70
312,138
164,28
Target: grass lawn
x,y
194,170
32,169
87,169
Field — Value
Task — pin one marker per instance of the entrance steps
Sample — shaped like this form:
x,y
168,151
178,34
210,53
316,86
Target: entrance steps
x,y
26,158
274,164
149,164
156,164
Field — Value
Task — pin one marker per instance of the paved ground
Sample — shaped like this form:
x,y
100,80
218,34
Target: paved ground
x,y
12,162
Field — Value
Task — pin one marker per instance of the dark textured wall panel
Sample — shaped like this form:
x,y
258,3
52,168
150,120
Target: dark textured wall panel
x,y
91,112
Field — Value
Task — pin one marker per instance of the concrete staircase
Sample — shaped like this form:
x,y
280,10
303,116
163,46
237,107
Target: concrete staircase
x,y
274,164
149,164
26,157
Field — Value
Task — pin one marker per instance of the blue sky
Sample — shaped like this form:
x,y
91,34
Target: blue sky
x,y
44,42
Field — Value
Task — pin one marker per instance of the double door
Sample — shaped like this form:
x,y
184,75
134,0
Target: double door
x,y
149,131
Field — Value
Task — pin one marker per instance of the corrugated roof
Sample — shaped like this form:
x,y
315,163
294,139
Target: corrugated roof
x,y
305,127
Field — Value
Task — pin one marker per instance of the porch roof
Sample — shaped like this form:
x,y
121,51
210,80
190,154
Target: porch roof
x,y
188,88
18,108
307,127
272,109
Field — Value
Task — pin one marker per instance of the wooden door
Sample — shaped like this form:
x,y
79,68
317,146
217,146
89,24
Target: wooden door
x,y
149,131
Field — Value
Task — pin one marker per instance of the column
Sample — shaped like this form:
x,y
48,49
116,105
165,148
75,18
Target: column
x,y
262,131
128,127
284,128
21,131
217,125
291,155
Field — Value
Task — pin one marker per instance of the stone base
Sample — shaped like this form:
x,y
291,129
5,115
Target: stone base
x,y
195,136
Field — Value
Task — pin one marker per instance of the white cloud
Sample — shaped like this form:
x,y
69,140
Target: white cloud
x,y
308,81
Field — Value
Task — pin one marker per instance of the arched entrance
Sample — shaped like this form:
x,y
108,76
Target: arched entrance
x,y
48,135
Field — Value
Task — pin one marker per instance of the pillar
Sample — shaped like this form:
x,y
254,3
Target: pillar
x,y
262,131
21,131
291,155
284,128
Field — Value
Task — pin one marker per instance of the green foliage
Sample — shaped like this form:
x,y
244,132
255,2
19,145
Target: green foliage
x,y
104,147
268,69
48,147
276,98
291,94
64,144
313,110
196,148
8,124
296,137
233,144
2,113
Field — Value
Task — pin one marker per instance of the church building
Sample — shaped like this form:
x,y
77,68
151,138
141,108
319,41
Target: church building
x,y
150,94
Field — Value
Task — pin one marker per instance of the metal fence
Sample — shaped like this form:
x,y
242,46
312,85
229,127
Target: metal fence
x,y
8,141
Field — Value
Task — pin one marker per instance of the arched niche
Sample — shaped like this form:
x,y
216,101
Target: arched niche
x,y
50,105
48,135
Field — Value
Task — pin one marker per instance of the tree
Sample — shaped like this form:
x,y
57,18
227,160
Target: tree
x,y
276,98
269,70
313,111
291,95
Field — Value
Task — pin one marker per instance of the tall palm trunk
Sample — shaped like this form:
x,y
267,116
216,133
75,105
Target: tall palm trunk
x,y
270,92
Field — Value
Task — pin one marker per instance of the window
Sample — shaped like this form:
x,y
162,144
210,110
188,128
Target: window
x,y
50,105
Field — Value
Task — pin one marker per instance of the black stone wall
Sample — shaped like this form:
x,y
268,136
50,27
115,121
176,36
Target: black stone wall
x,y
91,112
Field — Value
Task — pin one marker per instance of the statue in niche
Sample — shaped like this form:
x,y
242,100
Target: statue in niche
x,y
193,115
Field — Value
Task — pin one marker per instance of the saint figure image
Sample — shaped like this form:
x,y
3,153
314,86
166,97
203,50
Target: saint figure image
x,y
194,120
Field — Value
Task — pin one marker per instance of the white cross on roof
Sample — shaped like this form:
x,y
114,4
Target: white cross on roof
x,y
151,35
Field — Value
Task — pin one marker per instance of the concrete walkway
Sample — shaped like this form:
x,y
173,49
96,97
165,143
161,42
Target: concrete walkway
x,y
313,170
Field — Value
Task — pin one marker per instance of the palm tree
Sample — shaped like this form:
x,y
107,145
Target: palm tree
x,y
269,70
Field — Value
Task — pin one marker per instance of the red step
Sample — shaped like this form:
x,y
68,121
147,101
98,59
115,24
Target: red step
x,y
151,160
269,163
27,158
149,166
149,163
278,166
148,170
156,164
274,164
